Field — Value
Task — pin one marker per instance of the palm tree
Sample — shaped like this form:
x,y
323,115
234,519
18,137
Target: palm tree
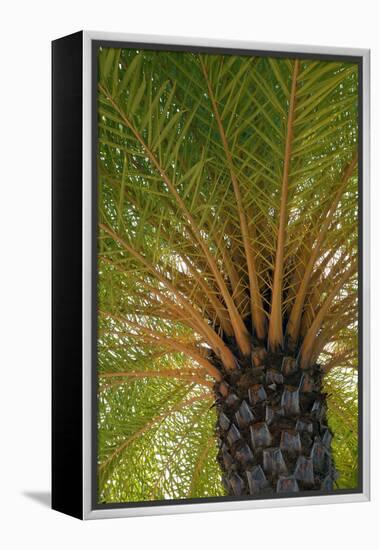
x,y
227,261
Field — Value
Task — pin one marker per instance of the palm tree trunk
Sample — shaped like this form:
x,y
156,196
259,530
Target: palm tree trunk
x,y
272,428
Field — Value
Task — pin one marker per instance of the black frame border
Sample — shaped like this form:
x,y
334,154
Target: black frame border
x,y
95,45
67,270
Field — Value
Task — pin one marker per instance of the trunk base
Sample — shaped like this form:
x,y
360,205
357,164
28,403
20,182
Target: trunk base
x,y
272,428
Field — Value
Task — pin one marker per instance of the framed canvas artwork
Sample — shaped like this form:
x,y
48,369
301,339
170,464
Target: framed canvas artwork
x,y
210,275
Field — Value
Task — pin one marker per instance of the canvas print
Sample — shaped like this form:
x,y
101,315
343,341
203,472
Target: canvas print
x,y
227,190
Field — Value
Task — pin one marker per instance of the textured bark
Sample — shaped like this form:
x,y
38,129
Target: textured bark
x,y
272,428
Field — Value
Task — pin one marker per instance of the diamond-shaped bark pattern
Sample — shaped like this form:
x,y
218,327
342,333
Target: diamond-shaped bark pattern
x,y
287,485
257,394
274,377
256,480
244,455
304,425
304,470
244,415
273,461
272,428
260,435
233,435
290,400
290,441
272,413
